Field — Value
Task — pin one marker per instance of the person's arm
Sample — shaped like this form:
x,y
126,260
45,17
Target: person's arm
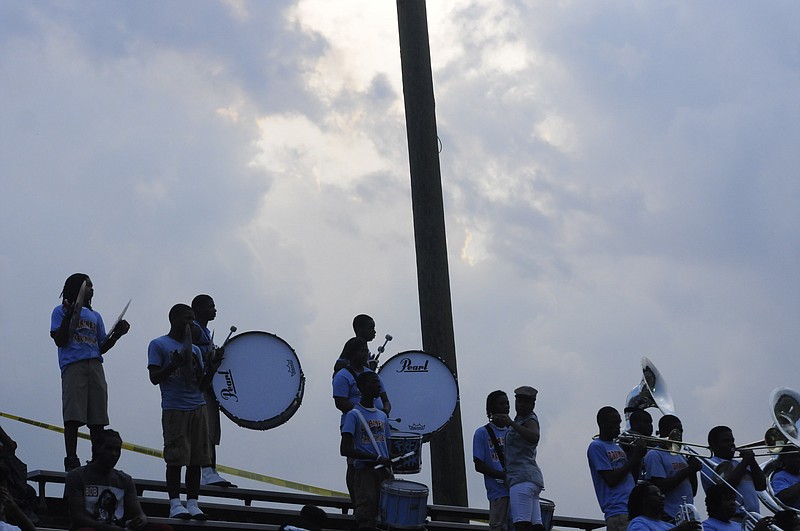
x,y
342,403
159,373
615,476
759,479
14,514
666,484
528,430
482,468
136,519
387,406
347,449
60,332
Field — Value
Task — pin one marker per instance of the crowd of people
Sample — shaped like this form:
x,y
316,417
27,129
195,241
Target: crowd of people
x,y
641,485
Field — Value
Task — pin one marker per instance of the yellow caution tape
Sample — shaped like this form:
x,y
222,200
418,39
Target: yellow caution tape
x,y
221,468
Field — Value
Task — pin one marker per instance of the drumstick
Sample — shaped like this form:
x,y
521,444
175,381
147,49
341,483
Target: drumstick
x,y
381,348
233,329
398,458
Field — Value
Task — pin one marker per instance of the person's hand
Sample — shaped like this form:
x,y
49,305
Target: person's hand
x,y
137,522
747,457
219,354
122,328
385,461
177,358
691,525
764,524
372,363
638,449
501,419
695,464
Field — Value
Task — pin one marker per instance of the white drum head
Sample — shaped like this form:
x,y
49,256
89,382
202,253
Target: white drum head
x,y
259,384
422,390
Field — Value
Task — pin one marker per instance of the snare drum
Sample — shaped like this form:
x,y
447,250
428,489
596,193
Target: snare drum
x,y
548,510
259,384
404,504
422,389
401,444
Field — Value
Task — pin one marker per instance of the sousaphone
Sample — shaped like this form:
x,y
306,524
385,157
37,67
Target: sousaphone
x,y
652,391
784,407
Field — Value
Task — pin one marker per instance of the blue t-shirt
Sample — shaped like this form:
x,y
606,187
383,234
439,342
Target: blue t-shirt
x,y
607,455
644,523
179,390
782,480
745,487
660,464
344,385
379,426
483,449
85,342
712,524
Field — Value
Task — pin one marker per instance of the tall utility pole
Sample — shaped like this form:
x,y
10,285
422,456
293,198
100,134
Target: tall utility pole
x,y
433,278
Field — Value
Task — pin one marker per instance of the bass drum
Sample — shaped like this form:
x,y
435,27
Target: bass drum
x,y
422,389
259,384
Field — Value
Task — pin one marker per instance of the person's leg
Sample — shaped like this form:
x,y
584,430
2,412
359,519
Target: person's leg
x,y
173,482
71,444
198,447
176,508
498,514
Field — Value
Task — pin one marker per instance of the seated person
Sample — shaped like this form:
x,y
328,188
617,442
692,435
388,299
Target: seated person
x,y
15,477
12,518
786,481
312,518
721,507
787,520
101,498
645,507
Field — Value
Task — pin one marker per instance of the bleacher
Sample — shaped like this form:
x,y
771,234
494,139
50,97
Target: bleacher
x,y
262,510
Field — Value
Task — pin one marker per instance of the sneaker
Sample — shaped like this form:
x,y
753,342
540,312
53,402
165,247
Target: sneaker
x,y
194,510
71,462
177,510
209,476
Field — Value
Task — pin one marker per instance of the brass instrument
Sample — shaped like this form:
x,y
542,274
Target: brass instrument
x,y
652,391
784,405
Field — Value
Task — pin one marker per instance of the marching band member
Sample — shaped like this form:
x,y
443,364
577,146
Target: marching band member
x,y
489,458
721,507
204,311
786,481
611,469
645,507
523,476
641,423
673,474
81,342
364,328
745,475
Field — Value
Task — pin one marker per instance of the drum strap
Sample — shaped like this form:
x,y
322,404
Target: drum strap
x,y
497,448
369,431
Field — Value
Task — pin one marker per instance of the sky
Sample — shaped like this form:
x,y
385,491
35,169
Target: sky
x,y
619,177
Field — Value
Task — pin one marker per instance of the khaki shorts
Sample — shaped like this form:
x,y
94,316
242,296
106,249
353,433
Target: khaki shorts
x,y
212,415
84,393
185,437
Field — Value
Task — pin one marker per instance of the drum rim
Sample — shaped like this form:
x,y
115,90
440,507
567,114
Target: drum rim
x,y
427,436
283,416
387,484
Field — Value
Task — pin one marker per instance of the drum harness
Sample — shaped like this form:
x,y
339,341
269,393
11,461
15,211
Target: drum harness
x,y
497,448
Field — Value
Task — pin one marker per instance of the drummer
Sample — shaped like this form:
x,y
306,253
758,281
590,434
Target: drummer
x,y
346,393
204,311
364,327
